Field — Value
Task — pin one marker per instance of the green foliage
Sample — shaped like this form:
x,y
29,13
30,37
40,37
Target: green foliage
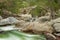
x,y
42,5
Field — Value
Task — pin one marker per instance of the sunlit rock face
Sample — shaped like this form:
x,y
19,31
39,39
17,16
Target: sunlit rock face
x,y
26,17
37,27
43,27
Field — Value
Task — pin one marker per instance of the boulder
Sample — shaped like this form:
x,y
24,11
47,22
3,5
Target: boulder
x,y
43,27
26,17
9,20
56,24
57,27
56,20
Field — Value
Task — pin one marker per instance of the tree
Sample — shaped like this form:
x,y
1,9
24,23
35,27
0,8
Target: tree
x,y
53,7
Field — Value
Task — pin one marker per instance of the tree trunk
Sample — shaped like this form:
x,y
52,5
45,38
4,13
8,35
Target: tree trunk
x,y
51,8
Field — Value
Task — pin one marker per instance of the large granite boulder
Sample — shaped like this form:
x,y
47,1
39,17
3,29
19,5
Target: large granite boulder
x,y
43,27
9,20
56,25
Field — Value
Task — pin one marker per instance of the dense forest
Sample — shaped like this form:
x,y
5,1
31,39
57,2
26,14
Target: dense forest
x,y
43,6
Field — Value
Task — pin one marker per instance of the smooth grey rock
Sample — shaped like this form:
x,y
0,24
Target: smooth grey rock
x,y
56,24
56,20
57,27
9,20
